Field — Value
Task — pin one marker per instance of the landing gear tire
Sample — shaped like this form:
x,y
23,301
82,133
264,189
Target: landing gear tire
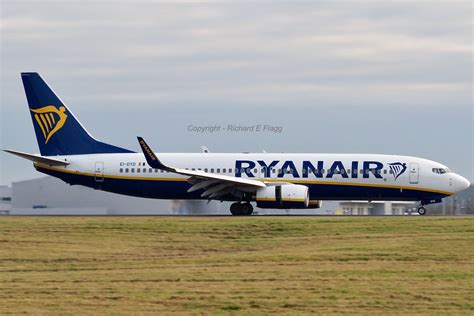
x,y
240,209
235,209
247,209
421,210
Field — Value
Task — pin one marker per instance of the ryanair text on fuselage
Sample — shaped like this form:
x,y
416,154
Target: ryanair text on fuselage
x,y
288,167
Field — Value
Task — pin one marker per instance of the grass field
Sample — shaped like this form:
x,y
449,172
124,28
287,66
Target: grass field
x,y
254,265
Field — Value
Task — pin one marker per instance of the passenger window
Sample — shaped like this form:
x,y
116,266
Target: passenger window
x,y
224,170
212,170
274,170
144,170
132,170
218,170
150,170
138,170
126,170
205,169
385,171
121,170
230,170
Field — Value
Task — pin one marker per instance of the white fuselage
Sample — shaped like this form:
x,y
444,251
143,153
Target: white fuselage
x,y
328,176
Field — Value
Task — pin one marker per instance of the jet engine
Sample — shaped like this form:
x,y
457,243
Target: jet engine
x,y
283,196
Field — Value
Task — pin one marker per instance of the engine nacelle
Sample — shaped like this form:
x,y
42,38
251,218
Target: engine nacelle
x,y
283,196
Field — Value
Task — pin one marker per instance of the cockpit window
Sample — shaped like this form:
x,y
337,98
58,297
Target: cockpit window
x,y
440,170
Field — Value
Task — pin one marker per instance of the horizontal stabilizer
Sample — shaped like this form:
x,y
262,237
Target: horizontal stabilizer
x,y
36,158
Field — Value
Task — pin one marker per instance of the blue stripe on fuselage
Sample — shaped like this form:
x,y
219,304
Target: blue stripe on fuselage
x,y
177,189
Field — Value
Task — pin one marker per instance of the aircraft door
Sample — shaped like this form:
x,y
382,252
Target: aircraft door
x,y
99,172
414,174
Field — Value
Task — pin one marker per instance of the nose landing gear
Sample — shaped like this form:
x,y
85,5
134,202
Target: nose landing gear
x,y
241,209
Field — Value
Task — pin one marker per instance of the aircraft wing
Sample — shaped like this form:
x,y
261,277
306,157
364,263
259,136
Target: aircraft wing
x,y
215,185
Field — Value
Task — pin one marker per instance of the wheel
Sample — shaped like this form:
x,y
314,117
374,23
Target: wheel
x,y
247,209
239,209
235,209
421,210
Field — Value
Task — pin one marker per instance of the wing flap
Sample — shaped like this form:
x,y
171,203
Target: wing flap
x,y
221,177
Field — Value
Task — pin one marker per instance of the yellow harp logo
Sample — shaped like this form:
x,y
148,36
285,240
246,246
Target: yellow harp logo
x,y
50,119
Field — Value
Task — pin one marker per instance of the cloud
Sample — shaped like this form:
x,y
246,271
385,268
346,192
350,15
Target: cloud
x,y
311,54
261,58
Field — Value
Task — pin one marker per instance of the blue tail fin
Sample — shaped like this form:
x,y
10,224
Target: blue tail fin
x,y
58,132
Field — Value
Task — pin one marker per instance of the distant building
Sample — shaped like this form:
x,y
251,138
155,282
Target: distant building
x,y
376,207
458,204
461,203
5,199
51,196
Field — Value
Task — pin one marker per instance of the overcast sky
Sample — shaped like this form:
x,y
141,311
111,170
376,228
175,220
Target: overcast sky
x,y
355,76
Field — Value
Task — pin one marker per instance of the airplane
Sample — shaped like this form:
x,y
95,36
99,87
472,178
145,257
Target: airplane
x,y
270,180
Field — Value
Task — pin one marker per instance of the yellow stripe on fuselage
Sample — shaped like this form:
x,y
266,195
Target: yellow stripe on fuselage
x,y
294,181
107,176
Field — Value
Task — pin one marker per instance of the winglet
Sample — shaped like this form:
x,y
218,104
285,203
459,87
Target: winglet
x,y
150,157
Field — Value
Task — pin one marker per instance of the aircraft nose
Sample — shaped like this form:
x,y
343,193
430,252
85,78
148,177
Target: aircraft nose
x,y
462,183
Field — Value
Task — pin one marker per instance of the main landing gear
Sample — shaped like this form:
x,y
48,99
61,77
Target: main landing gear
x,y
241,209
421,210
